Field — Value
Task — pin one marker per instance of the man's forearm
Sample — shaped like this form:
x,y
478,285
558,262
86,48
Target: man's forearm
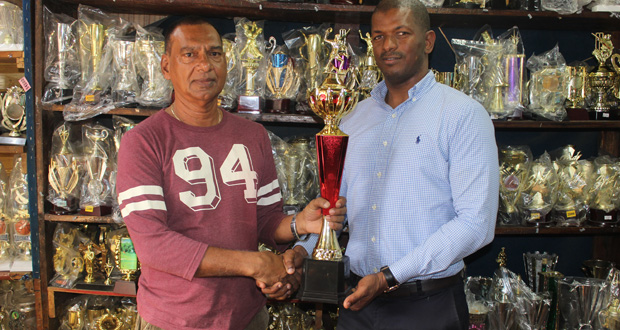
x,y
223,262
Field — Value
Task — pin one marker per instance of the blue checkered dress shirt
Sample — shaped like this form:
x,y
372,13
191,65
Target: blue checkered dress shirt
x,y
421,182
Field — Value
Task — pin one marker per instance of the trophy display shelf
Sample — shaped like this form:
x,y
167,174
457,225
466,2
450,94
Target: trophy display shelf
x,y
586,229
78,218
53,291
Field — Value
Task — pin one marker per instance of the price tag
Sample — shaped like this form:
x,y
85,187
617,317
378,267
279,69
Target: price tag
x,y
25,85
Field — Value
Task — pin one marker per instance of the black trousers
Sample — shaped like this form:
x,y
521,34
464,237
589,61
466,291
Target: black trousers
x,y
445,309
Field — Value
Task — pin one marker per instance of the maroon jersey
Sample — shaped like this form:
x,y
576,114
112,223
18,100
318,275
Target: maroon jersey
x,y
184,188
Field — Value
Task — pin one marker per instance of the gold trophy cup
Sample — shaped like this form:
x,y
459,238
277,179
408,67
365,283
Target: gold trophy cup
x,y
281,77
602,79
251,57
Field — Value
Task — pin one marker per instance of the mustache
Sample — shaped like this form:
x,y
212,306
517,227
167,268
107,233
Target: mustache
x,y
391,54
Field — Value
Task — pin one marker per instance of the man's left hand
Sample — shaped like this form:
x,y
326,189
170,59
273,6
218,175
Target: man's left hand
x,y
366,291
310,220
293,259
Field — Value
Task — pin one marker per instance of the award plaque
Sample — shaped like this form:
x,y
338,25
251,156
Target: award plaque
x,y
324,274
126,260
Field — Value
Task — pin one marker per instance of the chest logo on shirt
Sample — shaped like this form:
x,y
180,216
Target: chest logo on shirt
x,y
197,168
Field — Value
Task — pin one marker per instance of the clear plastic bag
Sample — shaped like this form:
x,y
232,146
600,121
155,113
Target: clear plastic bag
x,y
548,84
63,172
11,27
98,166
68,262
253,57
156,90
539,192
515,162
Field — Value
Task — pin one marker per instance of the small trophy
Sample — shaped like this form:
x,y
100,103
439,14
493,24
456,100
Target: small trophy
x,y
125,88
91,50
281,82
228,97
97,188
155,88
514,168
370,73
300,174
325,272
539,193
251,56
536,263
14,116
576,96
63,175
604,193
75,316
602,79
88,255
126,261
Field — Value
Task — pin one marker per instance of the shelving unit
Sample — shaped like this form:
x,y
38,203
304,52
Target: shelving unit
x,y
606,241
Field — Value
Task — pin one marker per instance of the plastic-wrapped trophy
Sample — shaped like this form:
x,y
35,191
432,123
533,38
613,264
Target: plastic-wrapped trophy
x,y
92,40
324,273
610,316
282,82
536,263
300,174
156,91
96,188
547,85
228,97
63,173
370,74
312,53
604,192
602,79
539,192
575,178
125,87
62,70
515,162
251,58
14,116
68,262
581,300
615,63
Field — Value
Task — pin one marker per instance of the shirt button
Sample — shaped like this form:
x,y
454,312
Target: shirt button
x,y
393,115
374,207
375,270
385,143
373,239
379,174
413,99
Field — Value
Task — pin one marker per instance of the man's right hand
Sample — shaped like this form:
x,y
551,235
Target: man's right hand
x,y
293,260
269,268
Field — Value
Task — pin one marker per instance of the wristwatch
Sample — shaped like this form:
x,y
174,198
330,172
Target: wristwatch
x,y
390,279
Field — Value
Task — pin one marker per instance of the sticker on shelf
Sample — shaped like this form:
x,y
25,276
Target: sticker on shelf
x,y
25,85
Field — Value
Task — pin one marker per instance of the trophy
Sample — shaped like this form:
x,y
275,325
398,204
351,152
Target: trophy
x,y
581,300
108,321
251,57
91,50
576,88
601,80
61,75
300,174
313,49
97,188
63,175
155,88
514,69
575,178
228,97
597,268
370,73
126,260
604,192
324,273
88,255
537,263
539,193
281,80
514,168
548,90
75,318
14,114
125,88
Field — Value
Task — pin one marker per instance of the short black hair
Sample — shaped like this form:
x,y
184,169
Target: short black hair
x,y
418,9
184,20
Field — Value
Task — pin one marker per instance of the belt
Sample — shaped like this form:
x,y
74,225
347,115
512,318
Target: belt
x,y
417,287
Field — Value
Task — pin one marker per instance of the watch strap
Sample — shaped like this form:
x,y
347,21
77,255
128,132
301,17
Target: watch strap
x,y
390,279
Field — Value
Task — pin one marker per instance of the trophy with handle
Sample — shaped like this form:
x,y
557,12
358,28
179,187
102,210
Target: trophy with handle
x,y
325,272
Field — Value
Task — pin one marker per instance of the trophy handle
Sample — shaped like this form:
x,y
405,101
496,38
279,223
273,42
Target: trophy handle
x,y
615,58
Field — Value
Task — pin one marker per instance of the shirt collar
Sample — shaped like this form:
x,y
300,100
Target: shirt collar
x,y
380,91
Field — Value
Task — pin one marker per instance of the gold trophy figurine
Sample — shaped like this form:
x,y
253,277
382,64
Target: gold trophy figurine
x,y
601,79
91,44
250,57
88,254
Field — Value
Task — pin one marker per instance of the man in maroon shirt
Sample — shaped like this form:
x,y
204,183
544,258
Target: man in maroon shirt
x,y
198,190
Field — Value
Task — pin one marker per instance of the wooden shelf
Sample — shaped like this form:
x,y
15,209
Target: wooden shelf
x,y
13,275
505,231
118,111
51,291
78,218
14,57
354,14
9,149
546,125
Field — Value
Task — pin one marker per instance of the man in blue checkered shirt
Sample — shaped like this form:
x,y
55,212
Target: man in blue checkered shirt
x,y
421,179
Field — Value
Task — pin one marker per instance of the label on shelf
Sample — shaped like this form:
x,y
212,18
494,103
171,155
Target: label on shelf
x,y
24,83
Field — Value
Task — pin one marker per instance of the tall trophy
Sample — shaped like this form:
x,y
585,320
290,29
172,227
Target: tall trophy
x,y
515,162
325,272
251,56
91,41
96,191
228,97
156,90
577,87
125,88
62,71
604,193
63,174
300,174
539,193
312,52
370,74
282,82
126,260
602,79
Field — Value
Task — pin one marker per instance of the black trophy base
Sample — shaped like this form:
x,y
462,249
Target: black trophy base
x,y
577,114
250,104
126,98
324,281
279,106
97,211
534,218
603,115
601,218
125,287
70,206
568,218
97,285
